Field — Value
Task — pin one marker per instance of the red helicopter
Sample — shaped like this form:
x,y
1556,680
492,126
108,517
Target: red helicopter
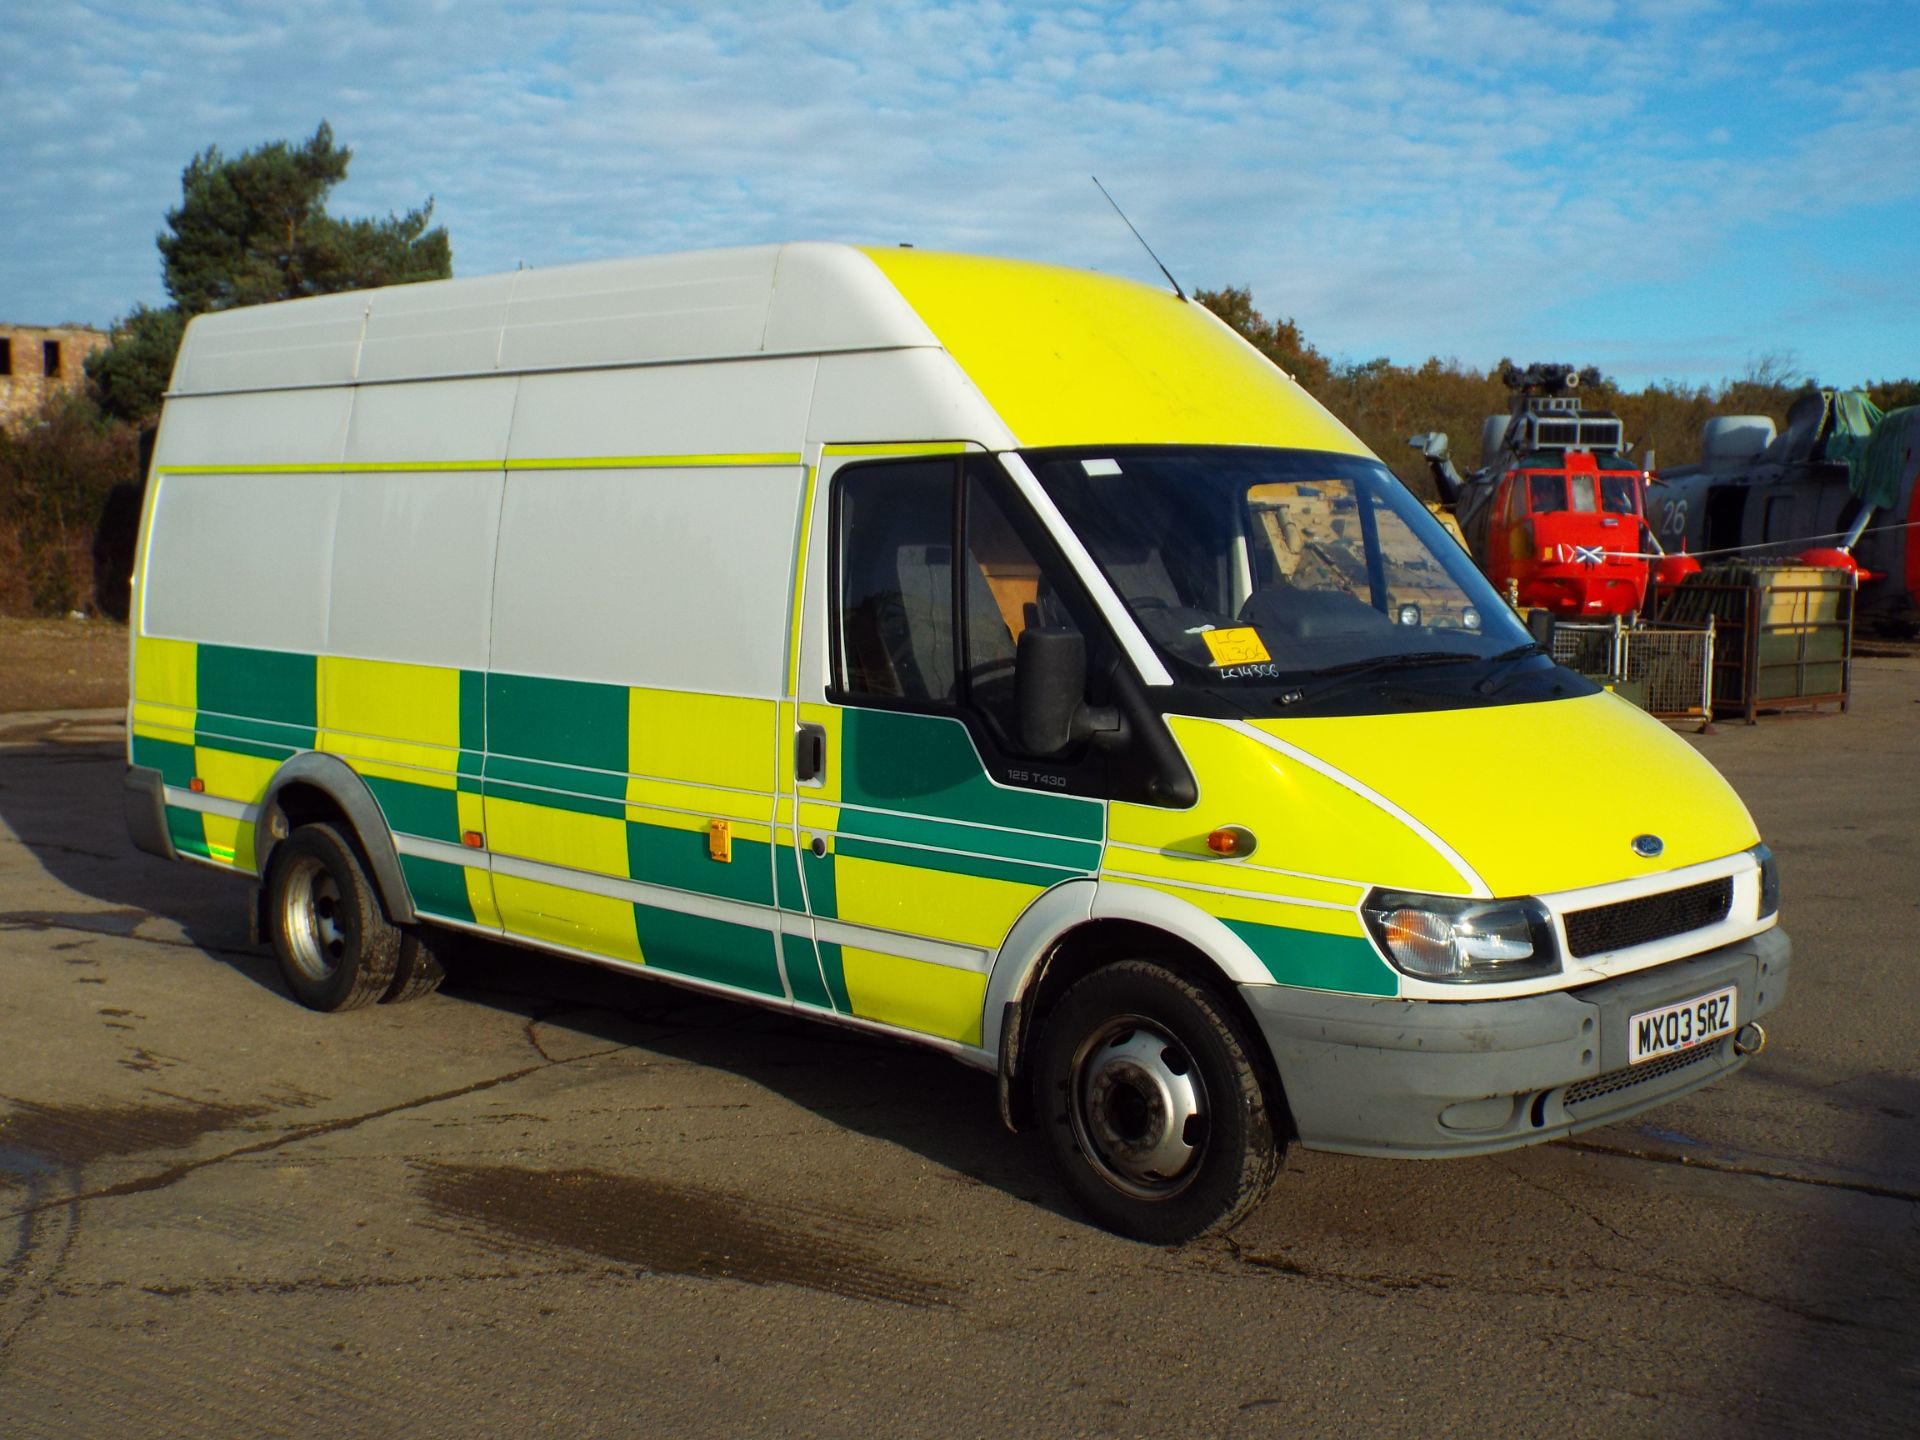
x,y
1556,513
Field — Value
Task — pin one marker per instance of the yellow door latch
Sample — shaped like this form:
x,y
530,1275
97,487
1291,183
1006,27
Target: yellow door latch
x,y
720,841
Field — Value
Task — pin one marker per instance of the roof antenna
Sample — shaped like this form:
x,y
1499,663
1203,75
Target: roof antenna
x,y
1141,238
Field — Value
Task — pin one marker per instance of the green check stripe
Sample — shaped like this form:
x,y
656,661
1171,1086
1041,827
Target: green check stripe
x,y
1080,856
979,866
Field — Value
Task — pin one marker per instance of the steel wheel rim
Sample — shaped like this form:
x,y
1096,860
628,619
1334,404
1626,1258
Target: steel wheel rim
x,y
1138,1107
315,919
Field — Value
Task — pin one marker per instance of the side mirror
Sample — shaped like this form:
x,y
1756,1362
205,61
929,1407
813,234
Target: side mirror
x,y
1049,694
1049,686
1540,627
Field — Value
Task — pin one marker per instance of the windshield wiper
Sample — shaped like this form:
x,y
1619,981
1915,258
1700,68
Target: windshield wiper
x,y
1496,679
1355,670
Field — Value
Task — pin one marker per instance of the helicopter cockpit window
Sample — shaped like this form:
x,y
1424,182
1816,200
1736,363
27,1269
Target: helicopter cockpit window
x,y
1548,493
1616,495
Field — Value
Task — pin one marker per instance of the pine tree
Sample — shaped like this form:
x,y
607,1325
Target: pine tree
x,y
252,229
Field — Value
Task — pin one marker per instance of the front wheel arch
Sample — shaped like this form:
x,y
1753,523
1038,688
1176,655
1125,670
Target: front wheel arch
x,y
1086,948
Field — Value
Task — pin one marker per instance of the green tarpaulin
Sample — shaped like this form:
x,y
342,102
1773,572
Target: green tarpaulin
x,y
1850,431
1893,451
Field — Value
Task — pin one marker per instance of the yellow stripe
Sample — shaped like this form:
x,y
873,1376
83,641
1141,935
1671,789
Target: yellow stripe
x,y
229,776
595,923
686,737
593,843
899,447
336,467
915,995
479,880
959,909
642,462
393,720
575,462
799,585
1187,861
164,672
1256,911
229,841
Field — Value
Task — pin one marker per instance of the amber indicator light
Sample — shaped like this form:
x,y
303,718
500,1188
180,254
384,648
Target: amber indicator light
x,y
1231,840
197,785
473,839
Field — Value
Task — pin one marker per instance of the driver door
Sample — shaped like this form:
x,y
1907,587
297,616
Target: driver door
x,y
920,831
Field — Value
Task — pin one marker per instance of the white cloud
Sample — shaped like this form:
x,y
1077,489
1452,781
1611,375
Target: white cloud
x,y
1404,177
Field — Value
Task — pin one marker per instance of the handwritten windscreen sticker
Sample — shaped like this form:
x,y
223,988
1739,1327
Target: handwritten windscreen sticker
x,y
1100,467
1238,646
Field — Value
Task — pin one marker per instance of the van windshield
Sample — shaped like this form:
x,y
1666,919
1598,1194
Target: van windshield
x,y
1250,569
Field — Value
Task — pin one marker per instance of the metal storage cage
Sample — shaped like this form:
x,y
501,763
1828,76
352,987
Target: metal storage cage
x,y
1663,668
1784,633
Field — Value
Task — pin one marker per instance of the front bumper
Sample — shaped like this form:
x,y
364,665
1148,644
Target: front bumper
x,y
1422,1078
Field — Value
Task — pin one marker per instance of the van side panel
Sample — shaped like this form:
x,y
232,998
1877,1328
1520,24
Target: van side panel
x,y
326,588
602,796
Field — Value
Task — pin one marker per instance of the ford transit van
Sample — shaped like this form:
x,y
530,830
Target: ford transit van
x,y
1000,657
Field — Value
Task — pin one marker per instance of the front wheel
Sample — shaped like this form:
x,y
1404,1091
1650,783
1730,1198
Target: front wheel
x,y
1153,1110
336,946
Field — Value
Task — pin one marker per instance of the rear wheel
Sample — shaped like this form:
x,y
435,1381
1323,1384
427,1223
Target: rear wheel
x,y
336,946
421,965
1153,1110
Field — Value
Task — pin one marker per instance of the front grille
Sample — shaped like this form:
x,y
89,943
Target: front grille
x,y
1583,1090
1650,918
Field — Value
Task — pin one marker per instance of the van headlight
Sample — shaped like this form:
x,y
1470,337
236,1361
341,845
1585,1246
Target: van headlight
x,y
1769,881
1462,942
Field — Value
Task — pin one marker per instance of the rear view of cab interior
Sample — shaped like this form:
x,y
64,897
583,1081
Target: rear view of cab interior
x,y
996,656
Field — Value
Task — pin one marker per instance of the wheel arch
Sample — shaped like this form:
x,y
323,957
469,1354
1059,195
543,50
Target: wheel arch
x,y
314,787
1093,924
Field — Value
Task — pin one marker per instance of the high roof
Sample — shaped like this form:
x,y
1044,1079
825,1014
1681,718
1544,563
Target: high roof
x,y
1063,357
702,305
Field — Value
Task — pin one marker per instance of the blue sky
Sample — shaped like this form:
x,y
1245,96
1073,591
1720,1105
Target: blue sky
x,y
1671,189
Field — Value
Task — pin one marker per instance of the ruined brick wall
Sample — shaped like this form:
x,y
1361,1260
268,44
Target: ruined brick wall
x,y
37,360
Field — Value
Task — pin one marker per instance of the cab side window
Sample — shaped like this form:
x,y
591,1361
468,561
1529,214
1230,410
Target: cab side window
x,y
896,581
915,627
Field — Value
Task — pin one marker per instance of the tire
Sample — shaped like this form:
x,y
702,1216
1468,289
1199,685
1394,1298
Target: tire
x,y
1127,1052
337,949
420,967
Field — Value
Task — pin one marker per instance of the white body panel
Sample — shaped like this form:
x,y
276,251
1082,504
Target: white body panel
x,y
623,576
230,539
413,567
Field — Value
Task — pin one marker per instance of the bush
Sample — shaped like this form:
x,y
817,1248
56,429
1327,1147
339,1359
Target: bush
x,y
55,472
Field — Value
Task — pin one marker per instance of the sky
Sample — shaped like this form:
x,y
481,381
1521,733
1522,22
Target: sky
x,y
1671,190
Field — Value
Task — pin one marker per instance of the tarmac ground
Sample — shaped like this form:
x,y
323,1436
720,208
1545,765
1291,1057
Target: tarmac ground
x,y
556,1200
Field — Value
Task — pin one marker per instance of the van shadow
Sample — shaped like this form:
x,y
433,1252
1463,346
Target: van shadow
x,y
63,804
886,1090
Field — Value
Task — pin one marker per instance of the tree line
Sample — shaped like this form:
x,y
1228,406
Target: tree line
x,y
254,227
1385,404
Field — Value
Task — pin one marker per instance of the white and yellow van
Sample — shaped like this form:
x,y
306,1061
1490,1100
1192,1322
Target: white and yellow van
x,y
992,655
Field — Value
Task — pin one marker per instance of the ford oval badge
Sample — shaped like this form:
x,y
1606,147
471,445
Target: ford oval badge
x,y
1647,847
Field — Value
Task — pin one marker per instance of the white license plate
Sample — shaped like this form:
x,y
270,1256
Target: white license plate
x,y
1653,1033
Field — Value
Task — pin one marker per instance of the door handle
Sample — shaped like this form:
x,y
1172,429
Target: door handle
x,y
810,753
